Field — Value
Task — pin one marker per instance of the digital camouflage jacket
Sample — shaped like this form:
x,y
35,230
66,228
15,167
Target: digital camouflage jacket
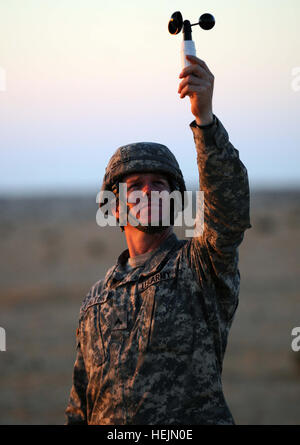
x,y
151,342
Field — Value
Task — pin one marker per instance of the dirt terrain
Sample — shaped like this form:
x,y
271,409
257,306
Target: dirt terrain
x,y
52,251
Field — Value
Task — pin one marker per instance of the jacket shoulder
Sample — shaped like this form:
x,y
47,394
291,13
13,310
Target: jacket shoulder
x,y
91,297
95,293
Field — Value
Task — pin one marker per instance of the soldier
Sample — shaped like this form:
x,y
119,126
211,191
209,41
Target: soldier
x,y
152,334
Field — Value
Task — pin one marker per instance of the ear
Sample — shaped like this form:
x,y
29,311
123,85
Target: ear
x,y
115,211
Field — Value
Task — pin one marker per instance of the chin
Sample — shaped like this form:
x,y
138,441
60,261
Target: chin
x,y
152,229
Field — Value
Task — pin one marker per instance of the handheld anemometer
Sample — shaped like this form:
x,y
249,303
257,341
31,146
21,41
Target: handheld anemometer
x,y
176,23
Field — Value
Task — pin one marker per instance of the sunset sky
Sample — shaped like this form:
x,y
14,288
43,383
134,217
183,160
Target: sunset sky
x,y
80,78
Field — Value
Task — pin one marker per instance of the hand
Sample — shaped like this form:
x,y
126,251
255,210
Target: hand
x,y
198,84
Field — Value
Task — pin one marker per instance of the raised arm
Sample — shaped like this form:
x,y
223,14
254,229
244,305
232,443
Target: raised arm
x,y
223,178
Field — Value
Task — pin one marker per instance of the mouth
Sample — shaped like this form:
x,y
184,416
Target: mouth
x,y
149,205
149,211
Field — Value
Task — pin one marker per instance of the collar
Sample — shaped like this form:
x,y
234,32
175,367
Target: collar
x,y
119,276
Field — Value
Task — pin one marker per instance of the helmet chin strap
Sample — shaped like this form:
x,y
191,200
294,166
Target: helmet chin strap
x,y
151,229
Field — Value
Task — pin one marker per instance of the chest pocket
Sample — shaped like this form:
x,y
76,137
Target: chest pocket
x,y
168,325
105,322
92,340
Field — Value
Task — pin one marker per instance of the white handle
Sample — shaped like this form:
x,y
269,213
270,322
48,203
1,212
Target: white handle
x,y
187,49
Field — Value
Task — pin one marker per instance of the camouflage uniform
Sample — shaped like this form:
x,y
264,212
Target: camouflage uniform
x,y
151,341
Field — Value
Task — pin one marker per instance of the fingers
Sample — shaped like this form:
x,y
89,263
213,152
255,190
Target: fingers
x,y
189,89
192,80
195,70
198,67
196,60
196,78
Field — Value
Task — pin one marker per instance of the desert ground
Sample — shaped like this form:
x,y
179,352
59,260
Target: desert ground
x,y
52,251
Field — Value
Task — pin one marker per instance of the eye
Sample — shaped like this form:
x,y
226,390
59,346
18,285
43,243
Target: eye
x,y
133,186
160,183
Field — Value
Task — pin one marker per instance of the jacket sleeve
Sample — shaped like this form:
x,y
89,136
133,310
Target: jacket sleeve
x,y
213,254
76,413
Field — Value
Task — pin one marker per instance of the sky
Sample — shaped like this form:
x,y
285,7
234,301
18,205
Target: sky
x,y
80,78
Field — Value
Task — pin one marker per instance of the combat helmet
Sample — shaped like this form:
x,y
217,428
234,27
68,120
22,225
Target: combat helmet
x,y
143,157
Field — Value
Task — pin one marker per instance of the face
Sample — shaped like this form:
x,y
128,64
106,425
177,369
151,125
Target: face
x,y
144,210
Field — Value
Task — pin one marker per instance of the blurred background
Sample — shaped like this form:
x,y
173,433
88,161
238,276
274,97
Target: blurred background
x,y
77,80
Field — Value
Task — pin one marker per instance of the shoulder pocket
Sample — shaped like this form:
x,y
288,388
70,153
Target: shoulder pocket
x,y
92,335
